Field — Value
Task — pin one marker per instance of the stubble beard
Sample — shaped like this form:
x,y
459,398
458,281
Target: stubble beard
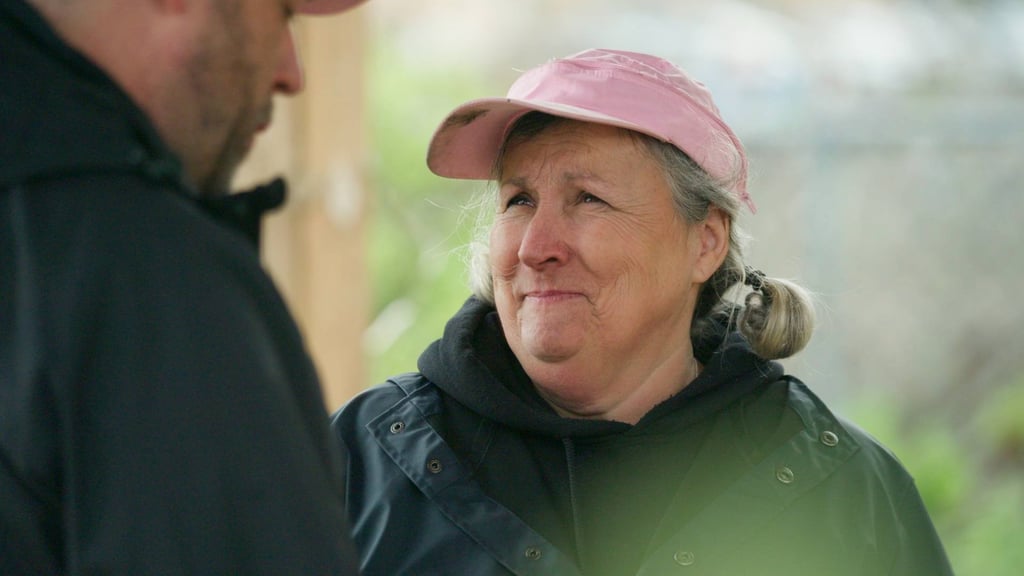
x,y
231,153
222,79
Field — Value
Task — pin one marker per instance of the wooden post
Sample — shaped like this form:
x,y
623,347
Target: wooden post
x,y
315,247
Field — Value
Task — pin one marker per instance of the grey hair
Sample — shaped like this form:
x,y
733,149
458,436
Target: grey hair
x,y
777,318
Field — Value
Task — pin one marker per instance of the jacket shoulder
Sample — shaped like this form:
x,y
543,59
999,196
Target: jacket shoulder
x,y
819,421
874,478
364,407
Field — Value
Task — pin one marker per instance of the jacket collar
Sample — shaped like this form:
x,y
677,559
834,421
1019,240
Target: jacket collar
x,y
64,115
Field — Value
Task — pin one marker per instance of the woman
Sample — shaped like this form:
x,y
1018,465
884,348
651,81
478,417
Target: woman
x,y
599,406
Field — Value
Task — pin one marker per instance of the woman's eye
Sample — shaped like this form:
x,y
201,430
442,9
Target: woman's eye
x,y
588,198
518,200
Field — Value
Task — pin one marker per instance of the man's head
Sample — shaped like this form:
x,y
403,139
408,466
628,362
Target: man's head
x,y
204,71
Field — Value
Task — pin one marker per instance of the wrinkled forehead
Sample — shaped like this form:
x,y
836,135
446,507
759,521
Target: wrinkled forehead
x,y
581,155
574,136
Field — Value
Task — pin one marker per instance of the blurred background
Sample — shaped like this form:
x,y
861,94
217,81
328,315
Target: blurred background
x,y
885,139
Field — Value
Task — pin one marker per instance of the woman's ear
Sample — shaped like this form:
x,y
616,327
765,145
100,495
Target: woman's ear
x,y
712,234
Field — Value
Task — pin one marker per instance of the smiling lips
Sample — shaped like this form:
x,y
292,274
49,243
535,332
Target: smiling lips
x,y
551,295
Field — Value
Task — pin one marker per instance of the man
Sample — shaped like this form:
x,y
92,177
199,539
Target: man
x,y
158,411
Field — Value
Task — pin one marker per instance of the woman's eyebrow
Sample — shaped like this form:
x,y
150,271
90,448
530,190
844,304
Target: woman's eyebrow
x,y
517,181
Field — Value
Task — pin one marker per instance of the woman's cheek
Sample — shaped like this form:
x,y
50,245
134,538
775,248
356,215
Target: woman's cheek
x,y
504,250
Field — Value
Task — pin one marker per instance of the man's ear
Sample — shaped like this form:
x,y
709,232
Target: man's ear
x,y
712,234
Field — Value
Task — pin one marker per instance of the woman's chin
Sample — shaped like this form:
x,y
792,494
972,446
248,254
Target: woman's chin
x,y
551,350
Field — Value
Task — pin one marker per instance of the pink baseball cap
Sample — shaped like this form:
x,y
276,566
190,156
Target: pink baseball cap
x,y
626,89
327,6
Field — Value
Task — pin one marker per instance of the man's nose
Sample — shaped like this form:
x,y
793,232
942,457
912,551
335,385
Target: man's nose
x,y
288,75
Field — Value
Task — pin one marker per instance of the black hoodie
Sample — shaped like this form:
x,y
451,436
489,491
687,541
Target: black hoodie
x,y
598,490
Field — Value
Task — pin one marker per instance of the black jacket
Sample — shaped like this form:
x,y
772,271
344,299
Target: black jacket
x,y
463,469
158,411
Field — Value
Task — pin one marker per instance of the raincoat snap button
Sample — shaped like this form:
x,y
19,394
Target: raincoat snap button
x,y
532,553
784,474
434,466
397,427
829,438
683,558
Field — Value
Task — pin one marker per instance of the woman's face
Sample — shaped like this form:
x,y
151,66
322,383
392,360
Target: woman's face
x,y
595,272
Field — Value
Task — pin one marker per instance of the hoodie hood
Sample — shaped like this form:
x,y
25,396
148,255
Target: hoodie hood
x,y
65,105
473,364
69,118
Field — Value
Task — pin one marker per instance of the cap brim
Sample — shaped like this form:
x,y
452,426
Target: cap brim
x,y
315,7
466,144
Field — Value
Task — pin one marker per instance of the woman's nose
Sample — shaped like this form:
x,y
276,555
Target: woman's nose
x,y
544,240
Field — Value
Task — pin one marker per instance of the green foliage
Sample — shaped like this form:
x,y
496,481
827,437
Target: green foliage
x,y
1001,422
418,222
971,476
988,541
990,521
